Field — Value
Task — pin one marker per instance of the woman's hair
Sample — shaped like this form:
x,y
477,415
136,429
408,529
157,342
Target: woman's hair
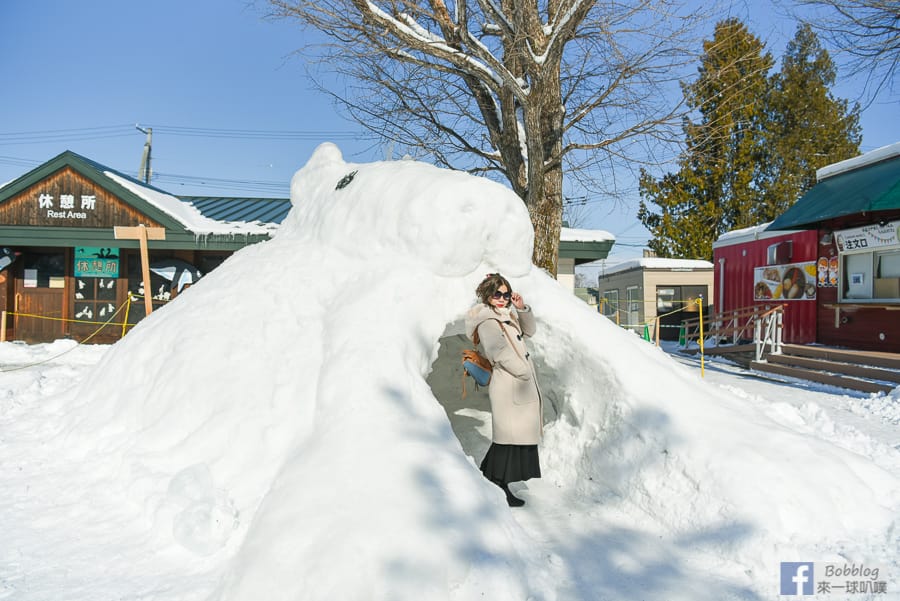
x,y
489,286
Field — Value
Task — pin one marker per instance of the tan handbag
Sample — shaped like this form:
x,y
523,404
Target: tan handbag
x,y
479,361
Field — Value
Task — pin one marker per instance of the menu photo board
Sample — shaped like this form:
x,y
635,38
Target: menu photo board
x,y
796,281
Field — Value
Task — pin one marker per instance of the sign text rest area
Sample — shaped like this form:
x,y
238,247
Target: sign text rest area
x,y
66,206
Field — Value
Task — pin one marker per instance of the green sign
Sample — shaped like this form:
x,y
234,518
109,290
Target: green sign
x,y
96,262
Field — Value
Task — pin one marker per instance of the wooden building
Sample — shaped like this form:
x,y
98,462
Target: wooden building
x,y
63,272
838,247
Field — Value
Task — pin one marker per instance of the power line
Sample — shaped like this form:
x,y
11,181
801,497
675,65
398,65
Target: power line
x,y
255,134
245,185
18,162
72,131
118,131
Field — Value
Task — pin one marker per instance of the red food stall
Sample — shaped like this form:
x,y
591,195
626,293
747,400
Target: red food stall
x,y
754,266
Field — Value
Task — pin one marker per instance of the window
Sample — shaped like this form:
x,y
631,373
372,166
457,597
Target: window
x,y
45,270
871,275
857,276
888,264
780,253
691,294
611,303
633,305
160,287
671,298
95,298
207,263
887,275
665,300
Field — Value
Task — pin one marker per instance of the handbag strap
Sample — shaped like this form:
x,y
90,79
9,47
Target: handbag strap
x,y
500,323
475,339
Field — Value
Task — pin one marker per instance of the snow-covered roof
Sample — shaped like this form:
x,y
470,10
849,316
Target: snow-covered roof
x,y
874,156
756,232
189,216
569,234
658,263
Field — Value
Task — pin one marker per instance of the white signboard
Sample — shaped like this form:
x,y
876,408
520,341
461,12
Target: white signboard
x,y
868,237
31,278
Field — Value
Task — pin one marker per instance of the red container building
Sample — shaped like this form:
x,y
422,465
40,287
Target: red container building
x,y
832,259
744,258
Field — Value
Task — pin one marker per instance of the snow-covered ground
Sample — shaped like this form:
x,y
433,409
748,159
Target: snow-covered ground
x,y
281,431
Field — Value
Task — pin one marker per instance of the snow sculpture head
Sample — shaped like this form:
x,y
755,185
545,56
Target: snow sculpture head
x,y
450,221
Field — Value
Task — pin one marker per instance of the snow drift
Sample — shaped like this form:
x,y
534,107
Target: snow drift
x,y
274,425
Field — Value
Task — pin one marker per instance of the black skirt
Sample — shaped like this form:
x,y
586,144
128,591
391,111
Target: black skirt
x,y
504,463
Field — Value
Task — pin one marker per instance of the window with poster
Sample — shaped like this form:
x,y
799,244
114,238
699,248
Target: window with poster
x,y
96,272
160,287
870,263
670,298
44,270
674,304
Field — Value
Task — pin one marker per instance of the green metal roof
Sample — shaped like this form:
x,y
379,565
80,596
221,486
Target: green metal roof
x,y
875,187
266,210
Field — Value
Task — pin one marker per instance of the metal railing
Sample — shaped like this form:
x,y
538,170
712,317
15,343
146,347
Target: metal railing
x,y
760,324
767,332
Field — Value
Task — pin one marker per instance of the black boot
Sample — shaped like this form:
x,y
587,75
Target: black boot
x,y
511,499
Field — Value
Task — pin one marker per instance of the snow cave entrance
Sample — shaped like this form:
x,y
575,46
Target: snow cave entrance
x,y
470,417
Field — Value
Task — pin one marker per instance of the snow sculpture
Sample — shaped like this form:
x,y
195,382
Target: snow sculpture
x,y
296,373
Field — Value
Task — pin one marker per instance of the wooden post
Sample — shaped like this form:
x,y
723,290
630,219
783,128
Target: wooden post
x,y
142,234
3,328
656,333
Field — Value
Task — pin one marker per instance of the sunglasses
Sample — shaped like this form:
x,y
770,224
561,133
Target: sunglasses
x,y
504,295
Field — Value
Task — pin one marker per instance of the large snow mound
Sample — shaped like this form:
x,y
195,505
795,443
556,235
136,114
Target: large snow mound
x,y
274,426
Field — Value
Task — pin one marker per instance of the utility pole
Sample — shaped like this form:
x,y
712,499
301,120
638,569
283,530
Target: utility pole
x,y
144,171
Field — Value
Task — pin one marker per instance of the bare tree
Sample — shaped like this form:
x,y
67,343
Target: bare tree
x,y
520,90
866,30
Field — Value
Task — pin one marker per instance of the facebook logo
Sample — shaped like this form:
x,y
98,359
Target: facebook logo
x,y
796,578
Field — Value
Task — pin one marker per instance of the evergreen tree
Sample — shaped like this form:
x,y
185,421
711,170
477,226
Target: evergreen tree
x,y
757,144
808,128
714,189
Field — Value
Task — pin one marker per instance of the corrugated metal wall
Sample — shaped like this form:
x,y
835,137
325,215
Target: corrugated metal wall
x,y
734,265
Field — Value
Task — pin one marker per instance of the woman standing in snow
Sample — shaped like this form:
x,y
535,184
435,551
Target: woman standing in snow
x,y
499,322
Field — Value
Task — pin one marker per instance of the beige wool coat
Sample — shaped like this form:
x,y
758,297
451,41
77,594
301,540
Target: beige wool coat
x,y
516,403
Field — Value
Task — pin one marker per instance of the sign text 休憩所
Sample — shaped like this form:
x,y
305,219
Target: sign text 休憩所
x,y
66,206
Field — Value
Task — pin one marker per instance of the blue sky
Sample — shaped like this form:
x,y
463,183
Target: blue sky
x,y
86,72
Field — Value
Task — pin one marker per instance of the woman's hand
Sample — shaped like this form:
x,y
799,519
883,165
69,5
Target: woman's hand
x,y
517,300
